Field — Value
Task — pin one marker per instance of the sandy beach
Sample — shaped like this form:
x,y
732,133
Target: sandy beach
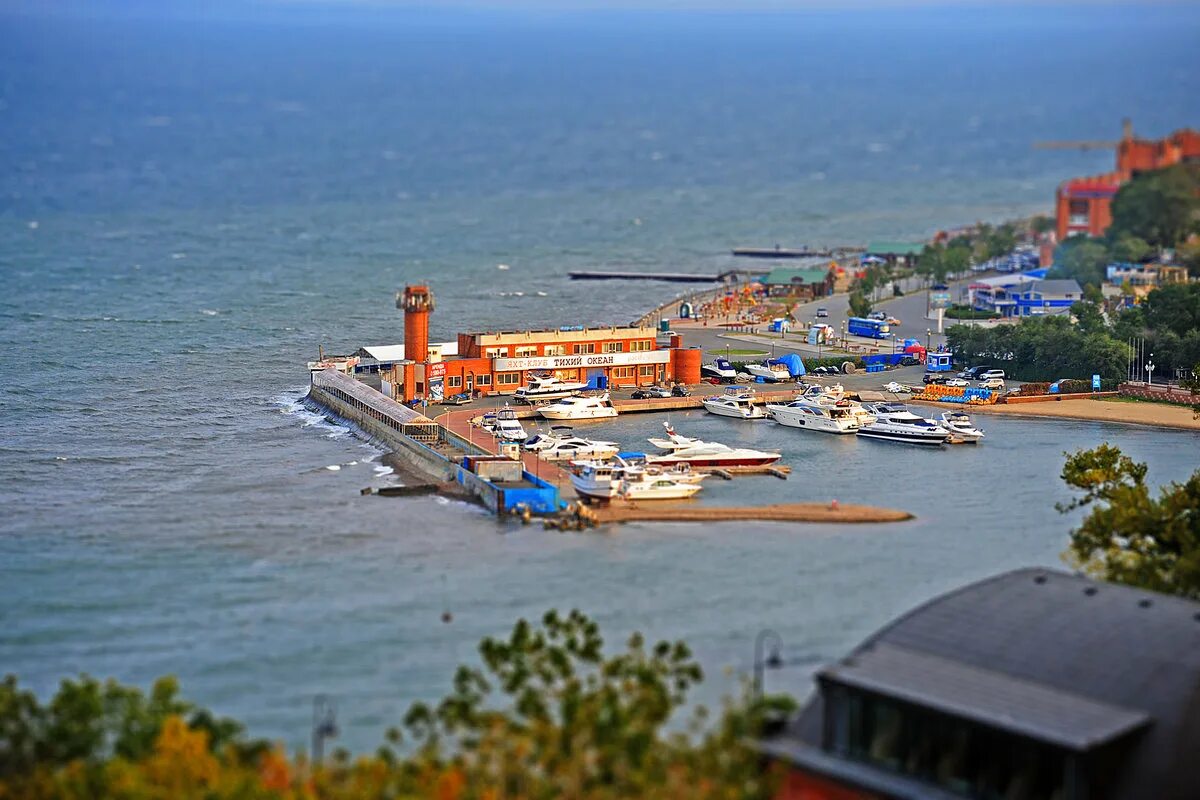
x,y
1159,415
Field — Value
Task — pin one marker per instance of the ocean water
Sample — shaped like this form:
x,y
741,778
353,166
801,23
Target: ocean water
x,y
190,205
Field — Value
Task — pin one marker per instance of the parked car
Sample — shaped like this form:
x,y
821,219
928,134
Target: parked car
x,y
822,311
651,392
988,374
909,361
992,383
893,321
957,382
972,373
879,315
679,390
458,399
935,377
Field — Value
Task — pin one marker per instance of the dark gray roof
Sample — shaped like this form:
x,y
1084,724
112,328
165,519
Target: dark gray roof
x,y
986,696
1060,286
1082,640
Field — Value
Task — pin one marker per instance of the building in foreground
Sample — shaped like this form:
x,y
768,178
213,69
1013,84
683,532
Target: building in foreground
x,y
1022,296
1031,684
1084,205
808,282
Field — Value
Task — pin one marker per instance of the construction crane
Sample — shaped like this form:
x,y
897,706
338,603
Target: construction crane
x,y
1126,133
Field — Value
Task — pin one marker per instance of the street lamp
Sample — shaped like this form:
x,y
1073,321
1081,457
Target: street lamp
x,y
773,660
928,333
1150,370
324,726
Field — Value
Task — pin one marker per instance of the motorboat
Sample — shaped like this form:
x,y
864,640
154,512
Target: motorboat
x,y
699,453
720,369
506,425
736,402
896,387
606,480
772,372
895,423
835,396
673,441
962,429
561,445
580,408
681,472
816,415
547,387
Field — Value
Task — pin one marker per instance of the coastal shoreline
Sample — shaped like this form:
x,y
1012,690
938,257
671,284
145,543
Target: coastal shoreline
x,y
1155,415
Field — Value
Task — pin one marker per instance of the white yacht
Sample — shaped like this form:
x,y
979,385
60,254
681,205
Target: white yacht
x,y
507,426
815,415
894,422
962,429
835,396
547,387
720,369
673,441
770,372
561,445
697,453
608,480
580,408
735,402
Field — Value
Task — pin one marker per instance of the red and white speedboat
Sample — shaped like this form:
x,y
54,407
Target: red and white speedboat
x,y
697,453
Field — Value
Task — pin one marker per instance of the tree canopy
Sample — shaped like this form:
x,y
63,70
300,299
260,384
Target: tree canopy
x,y
1158,207
1129,536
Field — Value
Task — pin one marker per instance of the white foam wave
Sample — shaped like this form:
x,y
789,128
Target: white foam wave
x,y
209,312
334,467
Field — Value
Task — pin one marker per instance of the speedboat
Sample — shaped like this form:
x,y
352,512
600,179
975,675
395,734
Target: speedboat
x,y
835,396
560,445
962,430
720,369
580,408
673,441
896,387
735,402
507,426
644,486
816,415
606,480
773,372
547,387
894,422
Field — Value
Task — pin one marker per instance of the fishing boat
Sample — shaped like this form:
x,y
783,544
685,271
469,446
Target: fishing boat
x,y
561,445
736,402
962,429
815,415
768,371
580,408
895,423
506,425
547,387
720,369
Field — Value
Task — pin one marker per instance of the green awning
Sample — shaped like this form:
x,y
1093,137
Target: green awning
x,y
895,248
788,277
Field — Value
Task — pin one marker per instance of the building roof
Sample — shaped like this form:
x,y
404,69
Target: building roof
x,y
1108,654
1057,286
785,276
390,353
887,248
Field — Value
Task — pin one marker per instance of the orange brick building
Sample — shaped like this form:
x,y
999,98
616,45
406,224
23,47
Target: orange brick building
x,y
1084,205
500,362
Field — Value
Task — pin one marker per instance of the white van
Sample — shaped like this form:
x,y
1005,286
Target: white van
x,y
987,375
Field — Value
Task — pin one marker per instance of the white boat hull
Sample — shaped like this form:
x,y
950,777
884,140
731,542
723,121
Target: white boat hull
x,y
906,437
737,412
797,418
579,414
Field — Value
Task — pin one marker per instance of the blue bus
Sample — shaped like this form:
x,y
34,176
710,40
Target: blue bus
x,y
871,328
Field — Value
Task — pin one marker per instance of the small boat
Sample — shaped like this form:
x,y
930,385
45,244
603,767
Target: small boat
x,y
580,408
735,402
815,415
644,486
681,472
547,387
773,372
506,426
962,429
673,441
720,369
895,423
560,445
835,396
698,453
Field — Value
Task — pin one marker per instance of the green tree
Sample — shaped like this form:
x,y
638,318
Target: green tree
x,y
1042,224
1082,259
956,260
1131,249
1174,307
1128,535
1188,254
1158,207
860,304
1088,318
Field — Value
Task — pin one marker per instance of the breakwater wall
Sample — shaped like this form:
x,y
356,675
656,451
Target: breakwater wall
x,y
1161,394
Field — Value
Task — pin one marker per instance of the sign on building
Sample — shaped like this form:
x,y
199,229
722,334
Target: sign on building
x,y
582,361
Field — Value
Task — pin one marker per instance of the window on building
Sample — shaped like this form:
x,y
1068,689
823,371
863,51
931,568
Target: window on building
x,y
453,381
508,378
483,380
495,352
963,757
641,346
622,372
613,347
646,371
585,349
554,350
525,352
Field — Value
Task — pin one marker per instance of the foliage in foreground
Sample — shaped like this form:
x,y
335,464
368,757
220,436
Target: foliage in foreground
x,y
1129,536
571,722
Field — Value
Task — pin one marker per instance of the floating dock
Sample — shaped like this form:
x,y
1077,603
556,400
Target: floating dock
x,y
781,512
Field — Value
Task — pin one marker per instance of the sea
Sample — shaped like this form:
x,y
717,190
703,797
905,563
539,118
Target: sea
x,y
196,197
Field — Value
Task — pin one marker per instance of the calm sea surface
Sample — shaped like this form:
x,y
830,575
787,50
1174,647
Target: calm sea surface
x,y
189,207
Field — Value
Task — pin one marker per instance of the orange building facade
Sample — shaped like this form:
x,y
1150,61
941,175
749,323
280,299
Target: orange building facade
x,y
500,362
1084,205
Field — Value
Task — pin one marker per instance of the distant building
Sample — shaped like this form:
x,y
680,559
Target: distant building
x,y
1031,684
805,283
1084,205
1024,297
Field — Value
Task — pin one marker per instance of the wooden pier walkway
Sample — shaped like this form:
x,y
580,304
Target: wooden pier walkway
x,y
780,512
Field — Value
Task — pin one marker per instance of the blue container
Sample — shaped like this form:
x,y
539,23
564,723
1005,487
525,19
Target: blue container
x,y
664,325
602,382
